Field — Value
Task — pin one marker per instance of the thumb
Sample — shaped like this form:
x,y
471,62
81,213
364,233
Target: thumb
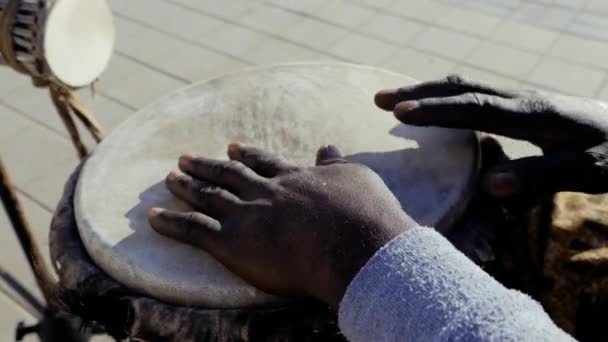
x,y
329,155
580,171
492,153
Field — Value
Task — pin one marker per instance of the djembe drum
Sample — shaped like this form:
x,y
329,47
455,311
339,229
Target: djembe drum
x,y
116,270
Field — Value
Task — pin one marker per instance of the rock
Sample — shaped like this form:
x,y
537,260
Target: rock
x,y
575,274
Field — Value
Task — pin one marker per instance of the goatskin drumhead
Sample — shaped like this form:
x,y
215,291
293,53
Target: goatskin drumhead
x,y
289,109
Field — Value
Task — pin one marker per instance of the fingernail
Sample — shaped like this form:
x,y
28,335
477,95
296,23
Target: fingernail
x,y
233,149
329,152
504,184
185,159
154,212
386,99
172,175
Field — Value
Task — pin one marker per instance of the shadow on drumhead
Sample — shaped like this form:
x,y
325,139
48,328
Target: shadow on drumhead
x,y
156,195
406,174
421,176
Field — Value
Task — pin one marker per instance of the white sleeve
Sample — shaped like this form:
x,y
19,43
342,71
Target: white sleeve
x,y
421,288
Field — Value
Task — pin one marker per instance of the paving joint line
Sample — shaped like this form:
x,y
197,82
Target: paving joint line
x,y
180,38
152,67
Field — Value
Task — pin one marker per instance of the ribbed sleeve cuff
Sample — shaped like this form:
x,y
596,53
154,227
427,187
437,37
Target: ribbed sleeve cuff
x,y
420,288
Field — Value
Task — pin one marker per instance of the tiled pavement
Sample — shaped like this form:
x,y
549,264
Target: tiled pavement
x,y
162,45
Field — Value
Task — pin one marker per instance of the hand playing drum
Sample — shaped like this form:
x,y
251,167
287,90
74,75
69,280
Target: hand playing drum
x,y
294,231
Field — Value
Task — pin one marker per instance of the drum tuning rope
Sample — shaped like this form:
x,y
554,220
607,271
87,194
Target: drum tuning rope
x,y
64,97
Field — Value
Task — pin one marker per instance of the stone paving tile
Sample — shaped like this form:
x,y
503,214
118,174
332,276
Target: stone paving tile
x,y
141,42
193,63
36,104
344,13
234,40
504,60
33,151
47,188
167,17
597,6
315,34
271,20
590,26
468,21
188,24
419,65
135,84
425,11
308,6
580,50
362,49
569,78
157,13
377,3
445,43
549,17
10,80
12,123
278,51
573,4
391,28
191,26
484,76
500,8
229,9
524,36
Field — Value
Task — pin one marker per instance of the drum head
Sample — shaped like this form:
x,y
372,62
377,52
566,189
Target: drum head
x,y
288,109
78,40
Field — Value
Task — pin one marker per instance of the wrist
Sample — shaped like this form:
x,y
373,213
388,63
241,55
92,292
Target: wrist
x,y
352,258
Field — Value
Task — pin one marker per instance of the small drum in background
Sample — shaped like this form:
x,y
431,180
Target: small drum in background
x,y
106,246
69,42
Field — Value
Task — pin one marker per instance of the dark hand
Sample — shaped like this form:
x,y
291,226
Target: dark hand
x,y
572,132
287,230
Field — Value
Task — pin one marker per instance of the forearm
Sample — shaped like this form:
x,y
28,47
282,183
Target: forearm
x,y
420,288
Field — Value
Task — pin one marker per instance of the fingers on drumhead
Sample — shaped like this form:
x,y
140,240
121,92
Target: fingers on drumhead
x,y
451,85
231,174
191,227
476,111
264,163
329,154
207,198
